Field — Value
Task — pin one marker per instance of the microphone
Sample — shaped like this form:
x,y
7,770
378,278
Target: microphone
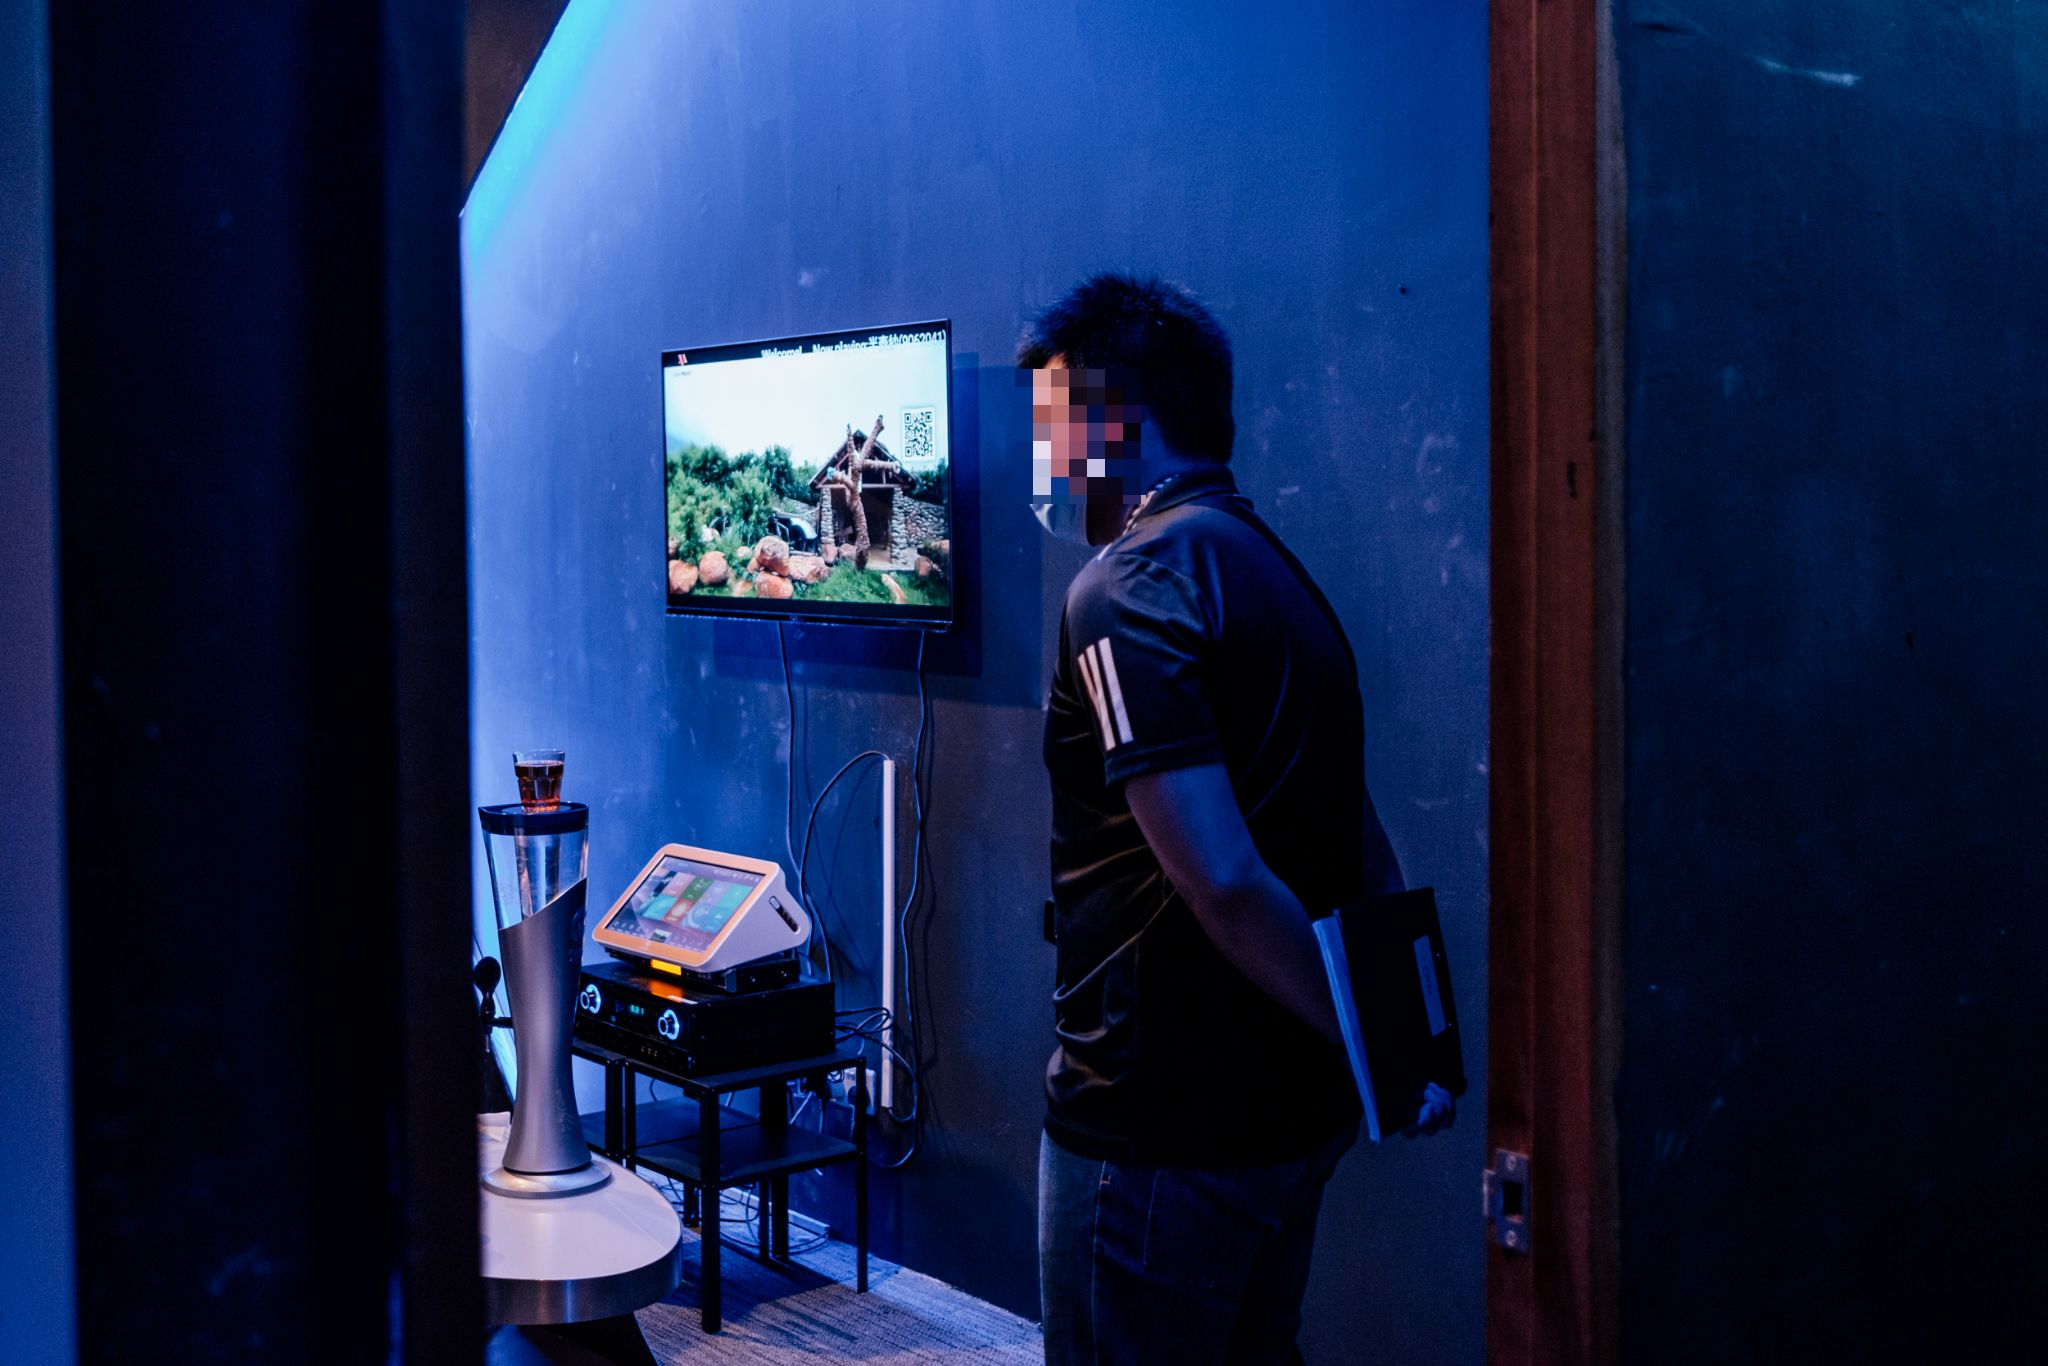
x,y
493,1095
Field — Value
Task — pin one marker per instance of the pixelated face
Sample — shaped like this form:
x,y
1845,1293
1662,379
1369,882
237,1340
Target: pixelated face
x,y
1084,434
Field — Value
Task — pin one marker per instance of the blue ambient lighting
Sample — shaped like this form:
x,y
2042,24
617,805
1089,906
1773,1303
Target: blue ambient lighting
x,y
536,116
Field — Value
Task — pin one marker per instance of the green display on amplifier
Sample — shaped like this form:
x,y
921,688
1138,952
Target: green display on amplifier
x,y
636,1009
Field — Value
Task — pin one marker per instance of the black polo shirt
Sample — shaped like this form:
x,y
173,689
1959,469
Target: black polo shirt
x,y
1195,637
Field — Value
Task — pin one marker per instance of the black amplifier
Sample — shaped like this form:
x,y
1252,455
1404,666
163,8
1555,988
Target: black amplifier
x,y
657,1020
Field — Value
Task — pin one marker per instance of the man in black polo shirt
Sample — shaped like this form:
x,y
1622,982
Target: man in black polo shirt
x,y
1205,741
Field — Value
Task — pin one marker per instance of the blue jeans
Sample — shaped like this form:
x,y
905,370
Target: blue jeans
x,y
1181,1265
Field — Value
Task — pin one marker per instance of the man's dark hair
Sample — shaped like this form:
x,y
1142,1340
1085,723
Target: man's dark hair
x,y
1167,346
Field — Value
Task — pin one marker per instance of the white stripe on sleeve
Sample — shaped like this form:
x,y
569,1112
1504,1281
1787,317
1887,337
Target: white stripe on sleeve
x,y
1093,683
1115,691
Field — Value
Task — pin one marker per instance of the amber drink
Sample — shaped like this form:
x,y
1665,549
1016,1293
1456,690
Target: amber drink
x,y
539,772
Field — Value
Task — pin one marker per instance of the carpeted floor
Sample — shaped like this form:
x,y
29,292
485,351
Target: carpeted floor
x,y
802,1311
810,1313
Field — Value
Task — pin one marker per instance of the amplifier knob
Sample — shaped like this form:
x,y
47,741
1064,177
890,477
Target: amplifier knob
x,y
592,999
668,1026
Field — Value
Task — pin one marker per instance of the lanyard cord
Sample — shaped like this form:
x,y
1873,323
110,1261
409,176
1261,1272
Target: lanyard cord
x,y
1138,510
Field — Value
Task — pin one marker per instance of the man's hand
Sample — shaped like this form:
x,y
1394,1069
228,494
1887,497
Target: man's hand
x,y
1439,1112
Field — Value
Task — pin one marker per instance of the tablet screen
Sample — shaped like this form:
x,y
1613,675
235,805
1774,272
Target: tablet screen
x,y
683,903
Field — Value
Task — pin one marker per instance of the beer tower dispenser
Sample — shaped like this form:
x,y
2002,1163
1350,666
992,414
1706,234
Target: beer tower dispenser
x,y
538,861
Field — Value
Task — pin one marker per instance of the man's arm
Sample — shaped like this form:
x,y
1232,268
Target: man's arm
x,y
1190,818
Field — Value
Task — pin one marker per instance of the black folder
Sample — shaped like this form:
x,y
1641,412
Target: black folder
x,y
1392,984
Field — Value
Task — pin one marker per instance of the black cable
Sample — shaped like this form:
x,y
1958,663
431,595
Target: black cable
x,y
743,1197
789,773
803,881
917,857
868,1029
889,1048
902,1161
800,856
789,805
802,1105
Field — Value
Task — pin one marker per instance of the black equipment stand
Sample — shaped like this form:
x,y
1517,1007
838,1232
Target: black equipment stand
x,y
722,1152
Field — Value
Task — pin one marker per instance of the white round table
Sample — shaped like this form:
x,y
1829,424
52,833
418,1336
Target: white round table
x,y
592,1255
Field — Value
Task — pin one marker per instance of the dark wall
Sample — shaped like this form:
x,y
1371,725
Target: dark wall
x,y
501,41
259,490
1835,947
678,175
35,1220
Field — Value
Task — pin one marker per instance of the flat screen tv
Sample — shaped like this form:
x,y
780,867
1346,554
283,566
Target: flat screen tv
x,y
809,478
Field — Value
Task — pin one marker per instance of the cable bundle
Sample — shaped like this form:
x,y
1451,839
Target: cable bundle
x,y
872,1020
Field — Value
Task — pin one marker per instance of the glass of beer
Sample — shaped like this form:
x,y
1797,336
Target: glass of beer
x,y
539,772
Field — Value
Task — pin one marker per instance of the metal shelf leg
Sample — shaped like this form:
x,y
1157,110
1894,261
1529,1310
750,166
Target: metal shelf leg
x,y
707,1109
860,1176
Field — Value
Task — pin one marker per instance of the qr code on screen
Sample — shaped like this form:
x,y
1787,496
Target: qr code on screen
x,y
917,433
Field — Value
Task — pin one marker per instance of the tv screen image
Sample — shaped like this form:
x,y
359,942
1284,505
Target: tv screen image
x,y
809,477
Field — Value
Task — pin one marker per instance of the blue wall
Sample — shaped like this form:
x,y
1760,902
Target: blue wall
x,y
35,1220
1835,948
695,174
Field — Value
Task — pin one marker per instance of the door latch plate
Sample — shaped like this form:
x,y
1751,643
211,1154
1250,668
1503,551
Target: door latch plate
x,y
1506,1200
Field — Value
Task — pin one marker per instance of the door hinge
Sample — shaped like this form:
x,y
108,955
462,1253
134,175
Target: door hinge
x,y
1506,1188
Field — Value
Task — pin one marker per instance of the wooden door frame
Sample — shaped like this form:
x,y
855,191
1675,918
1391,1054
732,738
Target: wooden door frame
x,y
1555,697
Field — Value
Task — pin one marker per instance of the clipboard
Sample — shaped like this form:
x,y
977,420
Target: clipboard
x,y
1391,981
